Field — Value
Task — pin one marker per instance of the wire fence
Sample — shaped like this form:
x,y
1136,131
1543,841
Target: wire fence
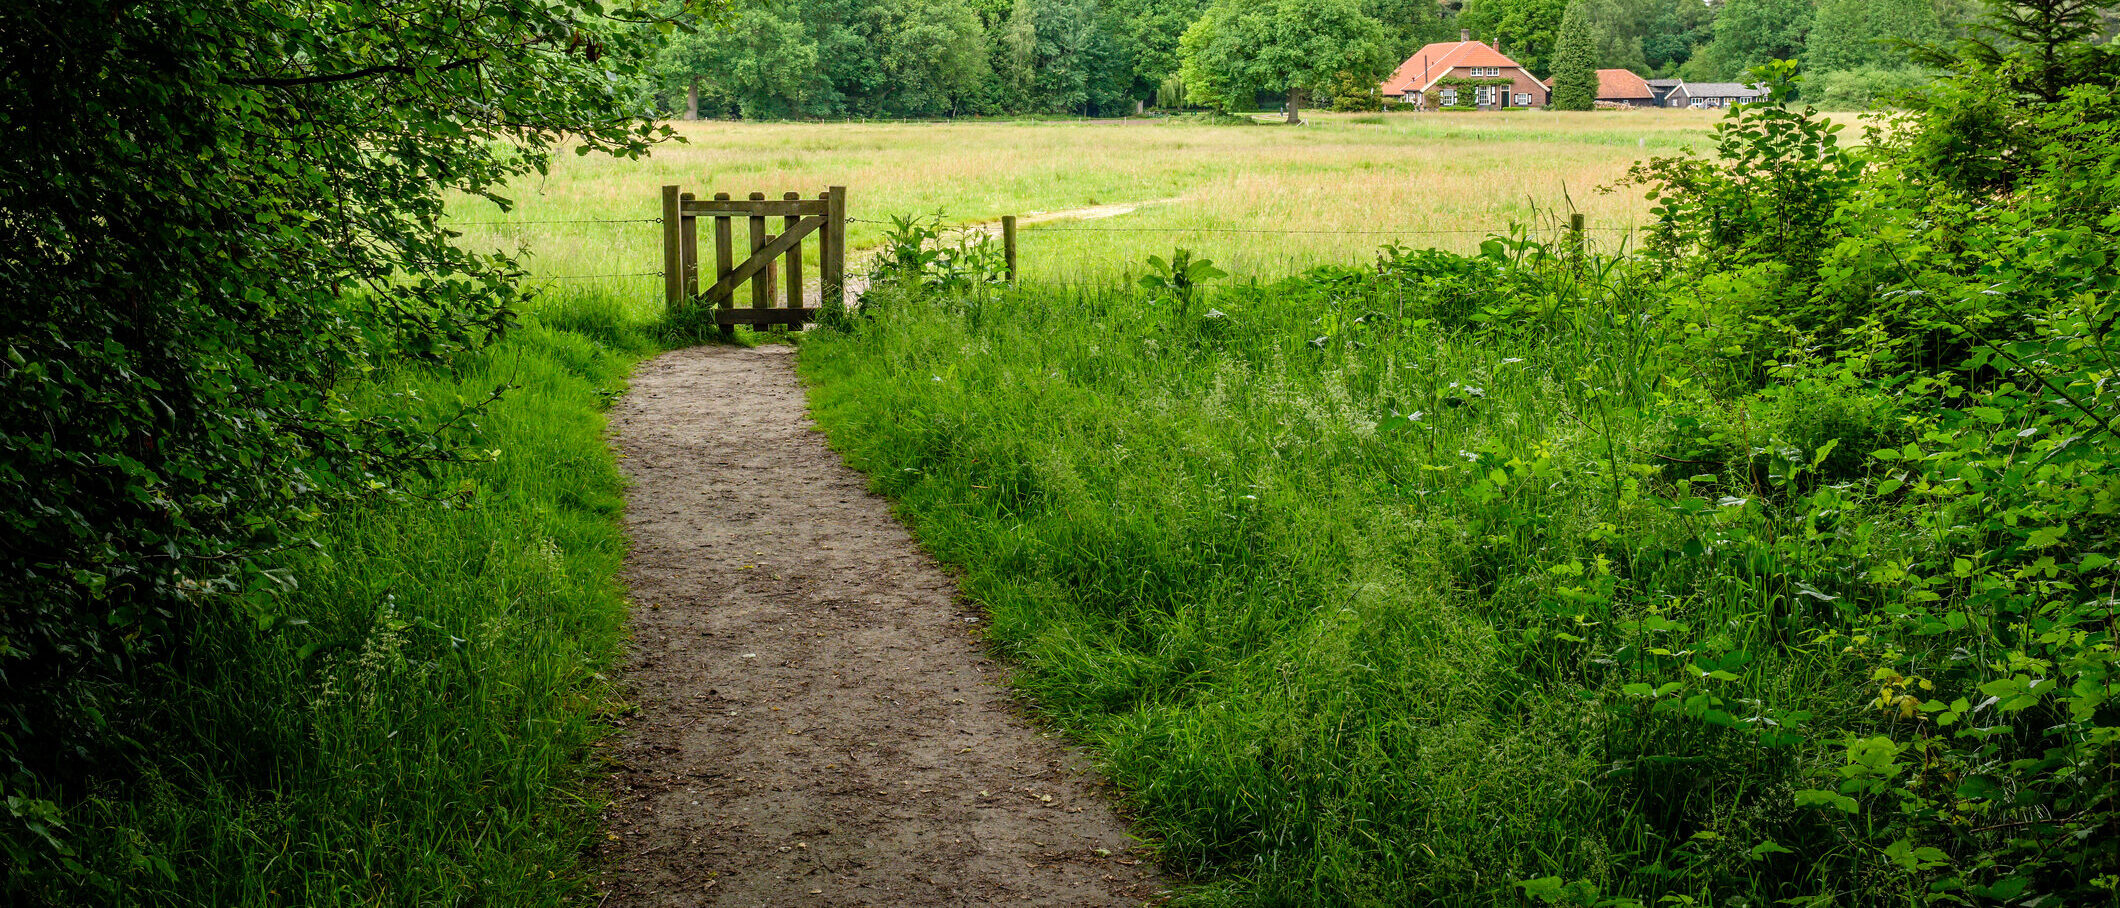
x,y
993,228
564,221
1049,227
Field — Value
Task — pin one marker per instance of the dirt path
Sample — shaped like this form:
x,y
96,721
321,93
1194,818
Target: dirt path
x,y
817,724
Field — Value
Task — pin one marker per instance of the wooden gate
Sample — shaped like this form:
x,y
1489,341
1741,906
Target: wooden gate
x,y
769,255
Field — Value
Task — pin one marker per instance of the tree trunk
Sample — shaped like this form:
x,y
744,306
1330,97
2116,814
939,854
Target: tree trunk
x,y
1295,101
692,100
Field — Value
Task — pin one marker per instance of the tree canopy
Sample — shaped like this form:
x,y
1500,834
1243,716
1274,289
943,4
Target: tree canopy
x,y
1851,34
919,58
1575,61
1751,32
1239,49
1525,29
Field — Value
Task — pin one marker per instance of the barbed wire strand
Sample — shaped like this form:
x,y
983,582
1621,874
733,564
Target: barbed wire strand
x,y
584,277
991,226
568,221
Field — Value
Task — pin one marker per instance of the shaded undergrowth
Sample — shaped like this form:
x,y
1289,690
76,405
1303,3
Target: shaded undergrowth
x,y
406,720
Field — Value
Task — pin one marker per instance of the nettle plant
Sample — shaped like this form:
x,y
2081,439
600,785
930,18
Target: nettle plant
x,y
1180,279
919,254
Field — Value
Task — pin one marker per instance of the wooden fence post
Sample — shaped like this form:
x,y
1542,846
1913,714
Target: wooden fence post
x,y
832,250
1008,246
673,253
1575,233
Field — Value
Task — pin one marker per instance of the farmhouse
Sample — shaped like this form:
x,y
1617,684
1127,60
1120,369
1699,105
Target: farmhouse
x,y
1463,74
1622,87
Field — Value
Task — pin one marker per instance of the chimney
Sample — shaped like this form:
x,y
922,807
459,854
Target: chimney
x,y
1498,45
1464,35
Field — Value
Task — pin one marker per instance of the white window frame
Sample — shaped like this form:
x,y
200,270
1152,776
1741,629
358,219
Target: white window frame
x,y
1447,98
1523,99
1483,95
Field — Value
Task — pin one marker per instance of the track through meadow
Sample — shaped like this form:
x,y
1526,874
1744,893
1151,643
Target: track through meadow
x,y
864,259
817,722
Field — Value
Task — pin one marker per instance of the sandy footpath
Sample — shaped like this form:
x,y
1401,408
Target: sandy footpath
x,y
817,722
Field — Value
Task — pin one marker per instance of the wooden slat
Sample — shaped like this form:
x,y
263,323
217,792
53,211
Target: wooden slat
x,y
688,245
724,293
761,291
757,262
793,264
757,206
771,278
789,316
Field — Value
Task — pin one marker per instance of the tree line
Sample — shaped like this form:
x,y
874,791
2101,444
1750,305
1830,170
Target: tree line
x,y
779,59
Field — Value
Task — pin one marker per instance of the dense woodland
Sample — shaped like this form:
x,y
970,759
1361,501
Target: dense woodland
x,y
927,58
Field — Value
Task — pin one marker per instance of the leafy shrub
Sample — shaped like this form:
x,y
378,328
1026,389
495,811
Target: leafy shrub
x,y
919,254
231,218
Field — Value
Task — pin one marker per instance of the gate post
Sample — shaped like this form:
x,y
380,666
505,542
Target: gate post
x,y
832,250
673,251
797,298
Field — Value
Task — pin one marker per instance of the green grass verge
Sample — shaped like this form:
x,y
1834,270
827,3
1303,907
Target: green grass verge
x,y
1322,647
414,730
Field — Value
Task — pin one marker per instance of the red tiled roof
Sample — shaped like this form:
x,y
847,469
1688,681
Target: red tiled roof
x,y
1437,60
1621,85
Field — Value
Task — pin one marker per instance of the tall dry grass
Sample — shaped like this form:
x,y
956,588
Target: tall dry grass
x,y
1350,181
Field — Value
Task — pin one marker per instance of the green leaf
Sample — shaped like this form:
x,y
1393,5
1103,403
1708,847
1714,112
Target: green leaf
x,y
1813,797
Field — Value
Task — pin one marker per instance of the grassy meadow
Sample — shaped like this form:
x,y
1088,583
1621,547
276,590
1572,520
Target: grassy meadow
x,y
1351,181
414,726
1213,568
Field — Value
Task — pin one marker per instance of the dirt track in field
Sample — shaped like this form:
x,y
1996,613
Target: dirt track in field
x,y
859,280
817,723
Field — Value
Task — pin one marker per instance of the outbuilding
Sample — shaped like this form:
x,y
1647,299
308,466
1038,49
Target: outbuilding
x,y
1621,87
